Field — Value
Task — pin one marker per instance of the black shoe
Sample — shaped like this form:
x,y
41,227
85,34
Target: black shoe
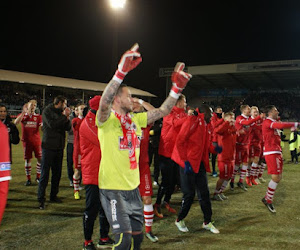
x,y
242,186
269,205
42,205
90,246
232,186
55,199
105,243
28,183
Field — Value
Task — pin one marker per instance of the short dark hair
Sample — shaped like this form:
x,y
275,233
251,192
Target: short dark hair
x,y
59,99
120,89
218,107
3,106
203,108
268,108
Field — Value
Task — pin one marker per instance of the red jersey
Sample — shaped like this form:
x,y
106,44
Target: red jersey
x,y
144,156
76,122
271,135
242,125
255,136
30,128
227,140
214,121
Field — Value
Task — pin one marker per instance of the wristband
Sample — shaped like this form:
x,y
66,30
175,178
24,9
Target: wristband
x,y
141,101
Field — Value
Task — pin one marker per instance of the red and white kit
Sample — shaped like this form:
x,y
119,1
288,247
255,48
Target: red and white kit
x,y
255,139
76,122
31,135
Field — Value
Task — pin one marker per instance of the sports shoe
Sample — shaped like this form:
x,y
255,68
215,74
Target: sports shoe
x,y
254,181
42,205
210,227
37,180
214,174
89,246
168,207
232,186
217,197
28,183
181,226
248,181
71,183
151,237
77,195
155,183
242,186
269,205
105,243
157,211
55,200
257,181
223,196
262,180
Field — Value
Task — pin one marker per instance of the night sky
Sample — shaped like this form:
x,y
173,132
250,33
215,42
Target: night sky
x,y
75,38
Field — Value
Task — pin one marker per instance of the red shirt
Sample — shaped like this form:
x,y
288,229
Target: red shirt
x,y
30,128
227,140
76,122
242,125
144,156
271,135
214,121
255,136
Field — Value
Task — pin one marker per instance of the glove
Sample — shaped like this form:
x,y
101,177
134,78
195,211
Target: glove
x,y
130,59
218,149
179,80
188,168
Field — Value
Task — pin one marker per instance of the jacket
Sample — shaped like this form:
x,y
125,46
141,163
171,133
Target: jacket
x,y
171,127
192,143
55,125
90,150
4,154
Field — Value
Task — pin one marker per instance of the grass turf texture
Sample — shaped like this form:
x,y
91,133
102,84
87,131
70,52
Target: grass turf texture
x,y
243,220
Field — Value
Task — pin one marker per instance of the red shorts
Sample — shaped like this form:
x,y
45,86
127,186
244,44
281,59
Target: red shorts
x,y
225,169
76,160
274,163
29,148
242,154
145,186
255,150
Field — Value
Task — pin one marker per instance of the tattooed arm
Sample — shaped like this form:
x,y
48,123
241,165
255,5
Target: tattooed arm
x,y
162,111
107,100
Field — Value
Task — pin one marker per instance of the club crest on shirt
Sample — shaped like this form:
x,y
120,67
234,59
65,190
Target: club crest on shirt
x,y
124,146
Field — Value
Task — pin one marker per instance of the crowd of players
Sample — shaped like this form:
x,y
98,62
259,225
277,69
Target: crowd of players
x,y
181,143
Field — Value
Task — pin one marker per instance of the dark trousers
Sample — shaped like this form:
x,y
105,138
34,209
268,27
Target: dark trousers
x,y
213,162
294,155
93,207
153,153
70,161
51,159
168,174
191,183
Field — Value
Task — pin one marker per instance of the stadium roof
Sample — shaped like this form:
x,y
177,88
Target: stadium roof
x,y
29,78
273,74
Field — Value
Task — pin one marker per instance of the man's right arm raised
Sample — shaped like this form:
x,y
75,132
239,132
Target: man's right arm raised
x,y
128,62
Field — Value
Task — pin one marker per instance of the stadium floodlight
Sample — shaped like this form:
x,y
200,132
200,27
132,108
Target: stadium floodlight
x,y
116,4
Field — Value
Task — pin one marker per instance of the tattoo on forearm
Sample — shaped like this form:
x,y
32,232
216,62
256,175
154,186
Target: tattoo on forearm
x,y
106,100
164,110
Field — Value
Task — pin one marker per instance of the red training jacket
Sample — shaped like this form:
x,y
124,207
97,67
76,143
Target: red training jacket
x,y
242,123
4,154
192,143
171,127
90,150
227,140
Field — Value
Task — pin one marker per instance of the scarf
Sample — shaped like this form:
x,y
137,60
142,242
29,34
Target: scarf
x,y
129,135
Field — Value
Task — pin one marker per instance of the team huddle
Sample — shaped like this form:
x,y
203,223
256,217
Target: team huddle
x,y
111,155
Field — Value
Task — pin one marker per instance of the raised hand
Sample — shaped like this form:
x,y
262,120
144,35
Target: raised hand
x,y
130,59
179,80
